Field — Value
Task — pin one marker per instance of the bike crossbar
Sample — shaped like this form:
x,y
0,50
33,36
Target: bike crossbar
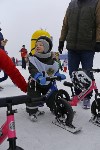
x,y
15,100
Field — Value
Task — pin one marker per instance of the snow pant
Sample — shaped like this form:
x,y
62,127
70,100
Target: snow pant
x,y
35,90
86,60
23,63
4,78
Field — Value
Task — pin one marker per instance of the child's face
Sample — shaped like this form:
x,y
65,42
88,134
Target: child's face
x,y
39,47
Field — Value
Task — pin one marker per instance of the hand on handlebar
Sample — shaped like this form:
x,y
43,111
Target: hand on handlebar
x,y
40,79
61,76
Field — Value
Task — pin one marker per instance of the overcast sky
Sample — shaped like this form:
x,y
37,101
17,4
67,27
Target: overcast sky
x,y
19,19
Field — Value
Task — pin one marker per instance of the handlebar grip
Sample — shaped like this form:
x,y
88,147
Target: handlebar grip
x,y
91,70
96,70
53,78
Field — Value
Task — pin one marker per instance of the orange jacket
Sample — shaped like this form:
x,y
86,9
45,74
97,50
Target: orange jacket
x,y
10,69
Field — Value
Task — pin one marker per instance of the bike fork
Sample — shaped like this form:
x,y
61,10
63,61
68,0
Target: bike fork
x,y
11,128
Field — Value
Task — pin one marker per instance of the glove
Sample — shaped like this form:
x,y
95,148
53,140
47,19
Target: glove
x,y
39,77
60,47
42,80
61,76
97,47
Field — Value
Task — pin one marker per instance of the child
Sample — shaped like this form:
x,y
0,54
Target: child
x,y
41,62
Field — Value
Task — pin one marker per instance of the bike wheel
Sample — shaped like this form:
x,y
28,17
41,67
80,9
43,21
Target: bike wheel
x,y
95,107
62,94
63,111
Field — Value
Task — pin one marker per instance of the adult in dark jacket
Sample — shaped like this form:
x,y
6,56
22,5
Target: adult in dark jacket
x,y
81,31
10,69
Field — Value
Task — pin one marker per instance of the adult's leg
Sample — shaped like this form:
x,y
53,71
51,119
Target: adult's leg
x,y
73,61
24,63
87,63
73,65
87,59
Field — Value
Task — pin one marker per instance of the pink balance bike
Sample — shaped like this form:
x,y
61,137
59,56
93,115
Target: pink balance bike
x,y
58,106
8,130
82,81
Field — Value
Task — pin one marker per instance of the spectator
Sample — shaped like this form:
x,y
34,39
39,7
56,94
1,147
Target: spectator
x,y
81,30
2,41
13,59
23,56
2,46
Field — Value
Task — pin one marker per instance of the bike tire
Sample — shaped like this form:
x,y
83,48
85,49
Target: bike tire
x,y
64,109
95,108
62,94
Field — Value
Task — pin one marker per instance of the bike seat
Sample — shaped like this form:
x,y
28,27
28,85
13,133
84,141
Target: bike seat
x,y
68,84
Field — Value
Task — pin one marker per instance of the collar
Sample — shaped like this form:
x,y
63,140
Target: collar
x,y
40,55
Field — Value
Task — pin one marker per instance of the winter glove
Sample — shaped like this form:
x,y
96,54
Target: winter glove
x,y
60,47
97,47
40,79
61,76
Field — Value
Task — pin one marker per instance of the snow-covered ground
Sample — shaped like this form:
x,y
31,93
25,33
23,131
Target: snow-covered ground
x,y
43,135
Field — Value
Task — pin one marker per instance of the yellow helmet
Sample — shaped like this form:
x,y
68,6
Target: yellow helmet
x,y
35,36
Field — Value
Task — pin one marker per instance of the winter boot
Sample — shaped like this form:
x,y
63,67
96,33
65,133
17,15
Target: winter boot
x,y
34,116
86,103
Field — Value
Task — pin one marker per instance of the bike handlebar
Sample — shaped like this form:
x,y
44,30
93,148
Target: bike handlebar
x,y
91,70
15,100
53,78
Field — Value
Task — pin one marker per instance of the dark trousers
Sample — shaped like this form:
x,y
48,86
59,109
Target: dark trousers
x,y
23,63
74,60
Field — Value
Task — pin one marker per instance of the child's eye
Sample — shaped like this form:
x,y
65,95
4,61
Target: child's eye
x,y
41,44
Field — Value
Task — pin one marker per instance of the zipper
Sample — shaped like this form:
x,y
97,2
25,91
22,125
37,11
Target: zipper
x,y
78,18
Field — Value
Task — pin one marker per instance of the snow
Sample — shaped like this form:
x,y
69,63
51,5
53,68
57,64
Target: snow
x,y
43,134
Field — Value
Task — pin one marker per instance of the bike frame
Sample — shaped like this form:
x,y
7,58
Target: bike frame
x,y
76,98
51,90
8,130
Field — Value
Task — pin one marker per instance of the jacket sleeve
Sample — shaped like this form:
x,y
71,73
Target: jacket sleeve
x,y
10,69
98,22
64,29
